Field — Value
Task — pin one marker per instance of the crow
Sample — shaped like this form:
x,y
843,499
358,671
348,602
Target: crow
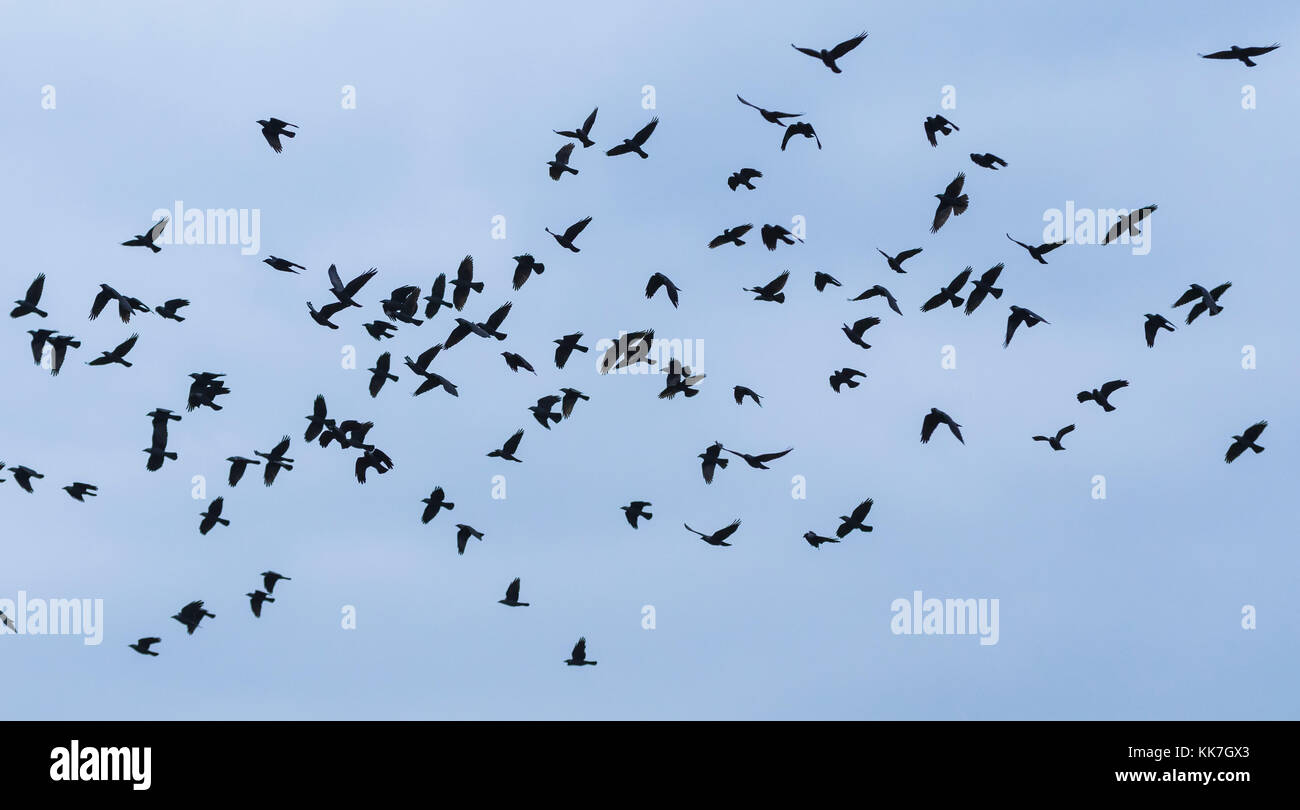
x,y
1018,316
770,116
237,466
273,129
1101,396
949,294
984,287
712,457
718,538
578,658
637,141
988,160
147,239
142,646
316,421
659,280
204,390
680,380
1247,440
1055,441
854,520
881,291
525,265
156,455
380,374
435,503
39,339
1209,300
508,449
269,578
629,349
583,132
1244,55
570,233
463,534
951,201
635,510
117,355
571,397
434,299
854,333
740,392
27,304
256,598
126,305
373,459
283,265
820,280
772,234
800,128
731,236
486,329
1128,223
464,283
742,178
275,460
828,57
60,345
212,516
326,312
169,308
560,164
896,262
759,462
845,376
937,123
512,595
380,329
403,304
567,345
771,291
1154,324
516,362
1036,253
192,614
815,540
542,411
79,491
933,419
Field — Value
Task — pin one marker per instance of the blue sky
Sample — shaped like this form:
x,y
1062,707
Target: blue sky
x,y
1128,607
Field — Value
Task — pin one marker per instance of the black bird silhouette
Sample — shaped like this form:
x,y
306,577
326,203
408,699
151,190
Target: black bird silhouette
x,y
740,392
78,491
935,418
403,304
742,178
525,265
283,265
372,459
1036,253
117,355
1018,316
192,614
759,462
637,141
463,534
878,290
571,397
126,305
560,164
771,291
951,201
343,292
508,449
273,129
815,540
316,421
27,304
436,502
435,300
583,132
1246,441
237,466
937,123
148,239
855,519
659,280
60,345
464,283
680,380
896,262
566,346
269,578
420,365
156,455
772,234
380,374
570,233
770,116
142,646
1154,324
988,160
512,595
859,328
212,516
1243,55
23,476
845,376
718,538
542,411
712,457
516,362
636,509
800,128
1209,300
256,598
326,312
828,57
169,308
629,349
731,235
204,390
380,329
1101,396
984,287
578,658
275,460
1128,223
1055,441
949,294
820,280
486,329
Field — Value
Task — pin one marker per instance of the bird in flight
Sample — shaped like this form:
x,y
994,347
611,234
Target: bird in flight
x,y
343,292
1243,55
828,57
60,344
542,411
949,294
578,658
148,239
192,614
1246,441
326,312
951,201
718,538
560,164
273,129
23,476
659,280
566,346
126,305
275,461
283,265
1154,324
771,116
636,509
371,459
256,598
800,128
582,133
142,646
436,502
820,280
463,533
878,290
237,466
525,266
380,373
571,397
815,540
1055,441
771,291
212,516
935,418
1036,253
570,233
896,262
854,333
845,376
988,160
759,462
117,355
512,595
774,234
712,458
740,392
78,491
1129,223
508,449
27,304
984,287
937,123
637,141
464,283
1101,396
731,235
1018,316
269,578
855,520
516,362
743,178
169,308
1209,300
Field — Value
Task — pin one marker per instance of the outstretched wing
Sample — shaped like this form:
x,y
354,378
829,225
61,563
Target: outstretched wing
x,y
576,228
724,533
512,443
644,134
1113,386
847,45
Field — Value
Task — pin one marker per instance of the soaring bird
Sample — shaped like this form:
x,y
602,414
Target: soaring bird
x,y
156,455
1209,300
937,123
27,304
935,418
78,491
878,290
273,129
571,397
517,361
740,392
379,330
1129,223
949,294
659,280
815,540
1055,441
821,280
636,509
435,301
845,376
1154,324
578,658
637,141
570,233
854,333
560,164
508,449
371,459
771,291
984,287
275,460
951,201
800,128
1036,252
1018,316
773,234
743,178
731,236
192,614
142,646
402,304
117,355
759,462
326,312
464,283
1243,55
512,595
463,534
39,338
770,116
169,308
582,133
680,380
256,598
148,239
60,345
525,265
896,262
718,538
237,466
380,374
435,503
344,293
126,305
855,519
316,421
1246,441
212,516
283,265
269,578
828,57
629,349
1101,396
567,345
542,411
988,160
712,458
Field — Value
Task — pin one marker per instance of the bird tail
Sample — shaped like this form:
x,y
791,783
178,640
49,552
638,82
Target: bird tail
x,y
539,268
476,286
125,363
286,133
171,456
722,462
959,207
155,248
1257,448
223,521
957,301
779,298
996,292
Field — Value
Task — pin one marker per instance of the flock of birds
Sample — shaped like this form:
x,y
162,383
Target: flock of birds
x,y
403,306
